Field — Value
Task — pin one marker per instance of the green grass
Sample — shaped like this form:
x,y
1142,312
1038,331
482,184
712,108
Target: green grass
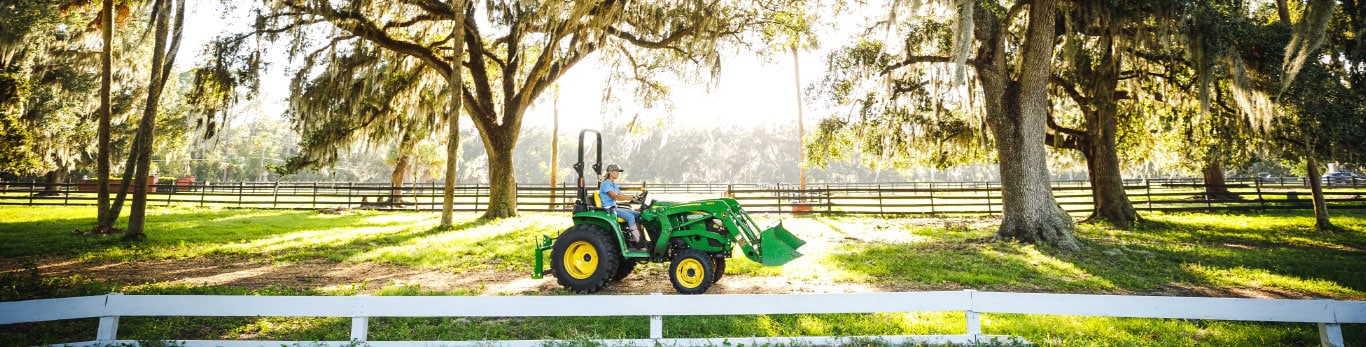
x,y
1264,255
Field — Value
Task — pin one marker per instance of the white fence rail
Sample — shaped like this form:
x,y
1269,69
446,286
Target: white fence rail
x,y
1328,314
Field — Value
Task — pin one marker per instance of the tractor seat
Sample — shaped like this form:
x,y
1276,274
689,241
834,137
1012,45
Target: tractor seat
x,y
597,201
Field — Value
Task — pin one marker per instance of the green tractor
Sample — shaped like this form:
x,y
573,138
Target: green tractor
x,y
694,237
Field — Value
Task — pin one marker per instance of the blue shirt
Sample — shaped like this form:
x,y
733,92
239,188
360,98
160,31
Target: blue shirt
x,y
607,199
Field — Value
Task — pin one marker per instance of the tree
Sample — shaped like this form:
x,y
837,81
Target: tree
x,y
105,115
163,58
1014,94
518,50
1306,109
453,118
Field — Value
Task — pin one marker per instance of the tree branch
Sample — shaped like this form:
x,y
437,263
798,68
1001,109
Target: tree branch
x,y
1071,90
917,59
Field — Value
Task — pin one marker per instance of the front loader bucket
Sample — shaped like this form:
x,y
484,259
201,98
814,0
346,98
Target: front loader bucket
x,y
777,246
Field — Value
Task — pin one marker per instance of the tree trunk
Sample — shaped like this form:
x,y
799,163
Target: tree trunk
x,y
405,156
801,128
1215,186
111,217
502,182
1110,202
1321,221
453,119
162,59
104,114
1283,11
555,146
1017,117
49,183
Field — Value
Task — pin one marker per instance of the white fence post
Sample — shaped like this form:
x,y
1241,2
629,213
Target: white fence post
x,y
108,329
657,324
974,322
1330,335
360,322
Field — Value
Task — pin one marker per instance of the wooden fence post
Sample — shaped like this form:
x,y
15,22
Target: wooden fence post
x,y
932,211
1260,201
880,211
989,210
829,206
1148,188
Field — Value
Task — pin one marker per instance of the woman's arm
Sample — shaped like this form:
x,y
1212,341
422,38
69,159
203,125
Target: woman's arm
x,y
616,194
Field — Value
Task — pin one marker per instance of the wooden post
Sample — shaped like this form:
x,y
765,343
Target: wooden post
x,y
1148,188
1260,201
932,199
360,324
881,212
657,324
1330,335
828,203
989,210
239,194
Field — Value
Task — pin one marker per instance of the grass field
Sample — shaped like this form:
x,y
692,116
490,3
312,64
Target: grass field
x,y
281,252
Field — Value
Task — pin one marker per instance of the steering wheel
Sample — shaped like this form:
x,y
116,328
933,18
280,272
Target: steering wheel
x,y
640,199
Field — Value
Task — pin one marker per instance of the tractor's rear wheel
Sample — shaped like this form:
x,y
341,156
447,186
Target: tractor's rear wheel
x,y
624,270
719,263
584,259
692,271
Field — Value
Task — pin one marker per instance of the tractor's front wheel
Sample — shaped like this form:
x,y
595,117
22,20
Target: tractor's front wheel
x,y
692,271
583,258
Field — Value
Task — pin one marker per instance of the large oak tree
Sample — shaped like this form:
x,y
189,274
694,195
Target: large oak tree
x,y
515,49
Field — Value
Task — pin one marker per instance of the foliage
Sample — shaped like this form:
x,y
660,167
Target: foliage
x,y
516,49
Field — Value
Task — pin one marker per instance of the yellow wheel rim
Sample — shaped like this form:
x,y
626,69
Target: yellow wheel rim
x,y
690,273
581,260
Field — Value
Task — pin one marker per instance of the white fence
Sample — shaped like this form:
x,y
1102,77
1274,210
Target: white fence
x,y
1328,314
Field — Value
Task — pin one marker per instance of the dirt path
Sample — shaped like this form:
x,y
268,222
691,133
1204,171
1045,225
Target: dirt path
x,y
492,280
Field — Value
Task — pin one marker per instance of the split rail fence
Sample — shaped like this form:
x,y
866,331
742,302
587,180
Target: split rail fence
x,y
882,199
1328,315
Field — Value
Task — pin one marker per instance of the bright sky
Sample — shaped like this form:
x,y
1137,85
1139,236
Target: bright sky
x,y
748,93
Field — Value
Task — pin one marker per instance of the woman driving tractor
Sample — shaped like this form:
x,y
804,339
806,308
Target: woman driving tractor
x,y
609,192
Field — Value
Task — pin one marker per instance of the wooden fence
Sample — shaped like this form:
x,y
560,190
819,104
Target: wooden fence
x,y
909,198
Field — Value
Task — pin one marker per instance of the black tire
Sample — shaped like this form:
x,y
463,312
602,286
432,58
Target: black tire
x,y
719,263
624,270
691,271
584,258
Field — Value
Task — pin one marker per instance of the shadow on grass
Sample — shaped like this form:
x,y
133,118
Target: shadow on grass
x,y
1229,255
182,233
1202,255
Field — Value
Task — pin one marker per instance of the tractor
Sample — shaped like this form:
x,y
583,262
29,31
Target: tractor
x,y
694,237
